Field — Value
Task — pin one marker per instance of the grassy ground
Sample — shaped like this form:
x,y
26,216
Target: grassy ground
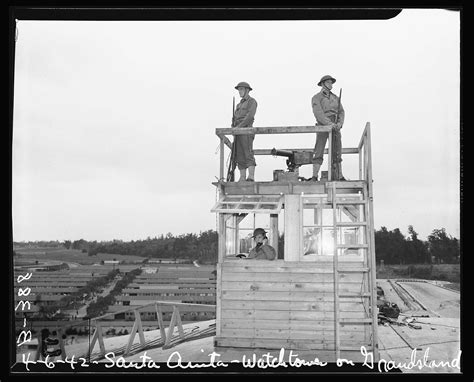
x,y
441,272
70,255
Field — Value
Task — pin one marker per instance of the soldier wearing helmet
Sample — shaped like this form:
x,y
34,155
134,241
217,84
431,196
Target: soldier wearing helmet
x,y
325,106
261,251
243,117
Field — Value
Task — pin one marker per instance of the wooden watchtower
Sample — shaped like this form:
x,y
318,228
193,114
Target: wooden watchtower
x,y
321,296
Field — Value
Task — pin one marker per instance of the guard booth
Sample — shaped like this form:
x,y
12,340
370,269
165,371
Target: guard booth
x,y
321,295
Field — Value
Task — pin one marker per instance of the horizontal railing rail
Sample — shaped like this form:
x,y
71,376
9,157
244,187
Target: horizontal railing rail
x,y
272,130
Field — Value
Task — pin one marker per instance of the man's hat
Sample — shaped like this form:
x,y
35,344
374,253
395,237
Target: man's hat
x,y
259,231
244,85
325,78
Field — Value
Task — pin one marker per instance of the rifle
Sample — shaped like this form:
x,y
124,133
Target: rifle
x,y
335,168
232,163
339,106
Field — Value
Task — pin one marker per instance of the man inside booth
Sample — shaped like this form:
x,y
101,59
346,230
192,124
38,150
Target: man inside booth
x,y
261,251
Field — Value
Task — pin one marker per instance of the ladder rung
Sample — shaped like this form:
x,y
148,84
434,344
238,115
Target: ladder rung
x,y
350,224
352,202
355,321
250,202
353,270
348,184
355,348
352,246
347,295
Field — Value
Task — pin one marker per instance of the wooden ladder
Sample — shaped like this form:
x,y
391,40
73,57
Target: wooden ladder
x,y
369,266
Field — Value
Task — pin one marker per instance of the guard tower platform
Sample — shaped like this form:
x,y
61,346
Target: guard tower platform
x,y
320,294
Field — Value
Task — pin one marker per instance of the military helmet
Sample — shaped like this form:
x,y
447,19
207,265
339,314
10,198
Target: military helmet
x,y
325,78
244,85
259,231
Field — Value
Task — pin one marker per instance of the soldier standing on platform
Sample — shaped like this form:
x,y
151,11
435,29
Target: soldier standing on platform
x,y
325,109
243,117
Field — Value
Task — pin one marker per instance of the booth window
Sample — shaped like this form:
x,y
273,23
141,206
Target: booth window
x,y
246,204
318,228
242,214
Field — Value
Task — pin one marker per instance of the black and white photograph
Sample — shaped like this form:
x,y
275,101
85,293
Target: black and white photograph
x,y
235,190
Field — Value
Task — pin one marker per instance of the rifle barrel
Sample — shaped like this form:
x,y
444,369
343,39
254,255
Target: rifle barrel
x,y
339,106
232,163
233,111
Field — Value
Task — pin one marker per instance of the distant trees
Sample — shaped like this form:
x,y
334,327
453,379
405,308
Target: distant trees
x,y
391,246
394,248
41,243
80,244
100,306
202,247
417,250
443,247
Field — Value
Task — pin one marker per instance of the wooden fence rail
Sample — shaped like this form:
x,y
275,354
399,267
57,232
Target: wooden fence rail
x,y
167,338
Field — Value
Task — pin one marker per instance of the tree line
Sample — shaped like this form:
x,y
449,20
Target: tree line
x,y
100,306
391,247
201,247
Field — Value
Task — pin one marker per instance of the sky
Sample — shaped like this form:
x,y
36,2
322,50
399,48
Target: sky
x,y
114,121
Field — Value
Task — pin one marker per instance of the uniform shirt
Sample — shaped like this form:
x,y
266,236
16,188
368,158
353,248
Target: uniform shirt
x,y
263,252
245,112
325,106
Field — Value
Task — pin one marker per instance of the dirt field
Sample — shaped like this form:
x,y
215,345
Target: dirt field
x,y
441,272
434,309
440,301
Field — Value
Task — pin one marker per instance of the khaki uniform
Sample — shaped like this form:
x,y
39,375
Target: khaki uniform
x,y
263,252
244,116
325,106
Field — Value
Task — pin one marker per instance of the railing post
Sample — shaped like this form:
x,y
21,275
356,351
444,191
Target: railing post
x,y
179,323
221,244
100,338
175,321
133,333
159,316
61,343
141,335
169,334
39,349
365,158
236,234
330,137
221,152
97,332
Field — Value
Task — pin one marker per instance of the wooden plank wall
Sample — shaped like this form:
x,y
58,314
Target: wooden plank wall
x,y
274,304
292,230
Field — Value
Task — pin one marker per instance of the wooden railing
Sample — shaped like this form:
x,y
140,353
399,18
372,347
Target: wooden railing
x,y
223,132
166,336
365,157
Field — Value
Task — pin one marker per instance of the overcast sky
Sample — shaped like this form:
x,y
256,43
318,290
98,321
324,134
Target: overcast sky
x,y
114,121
